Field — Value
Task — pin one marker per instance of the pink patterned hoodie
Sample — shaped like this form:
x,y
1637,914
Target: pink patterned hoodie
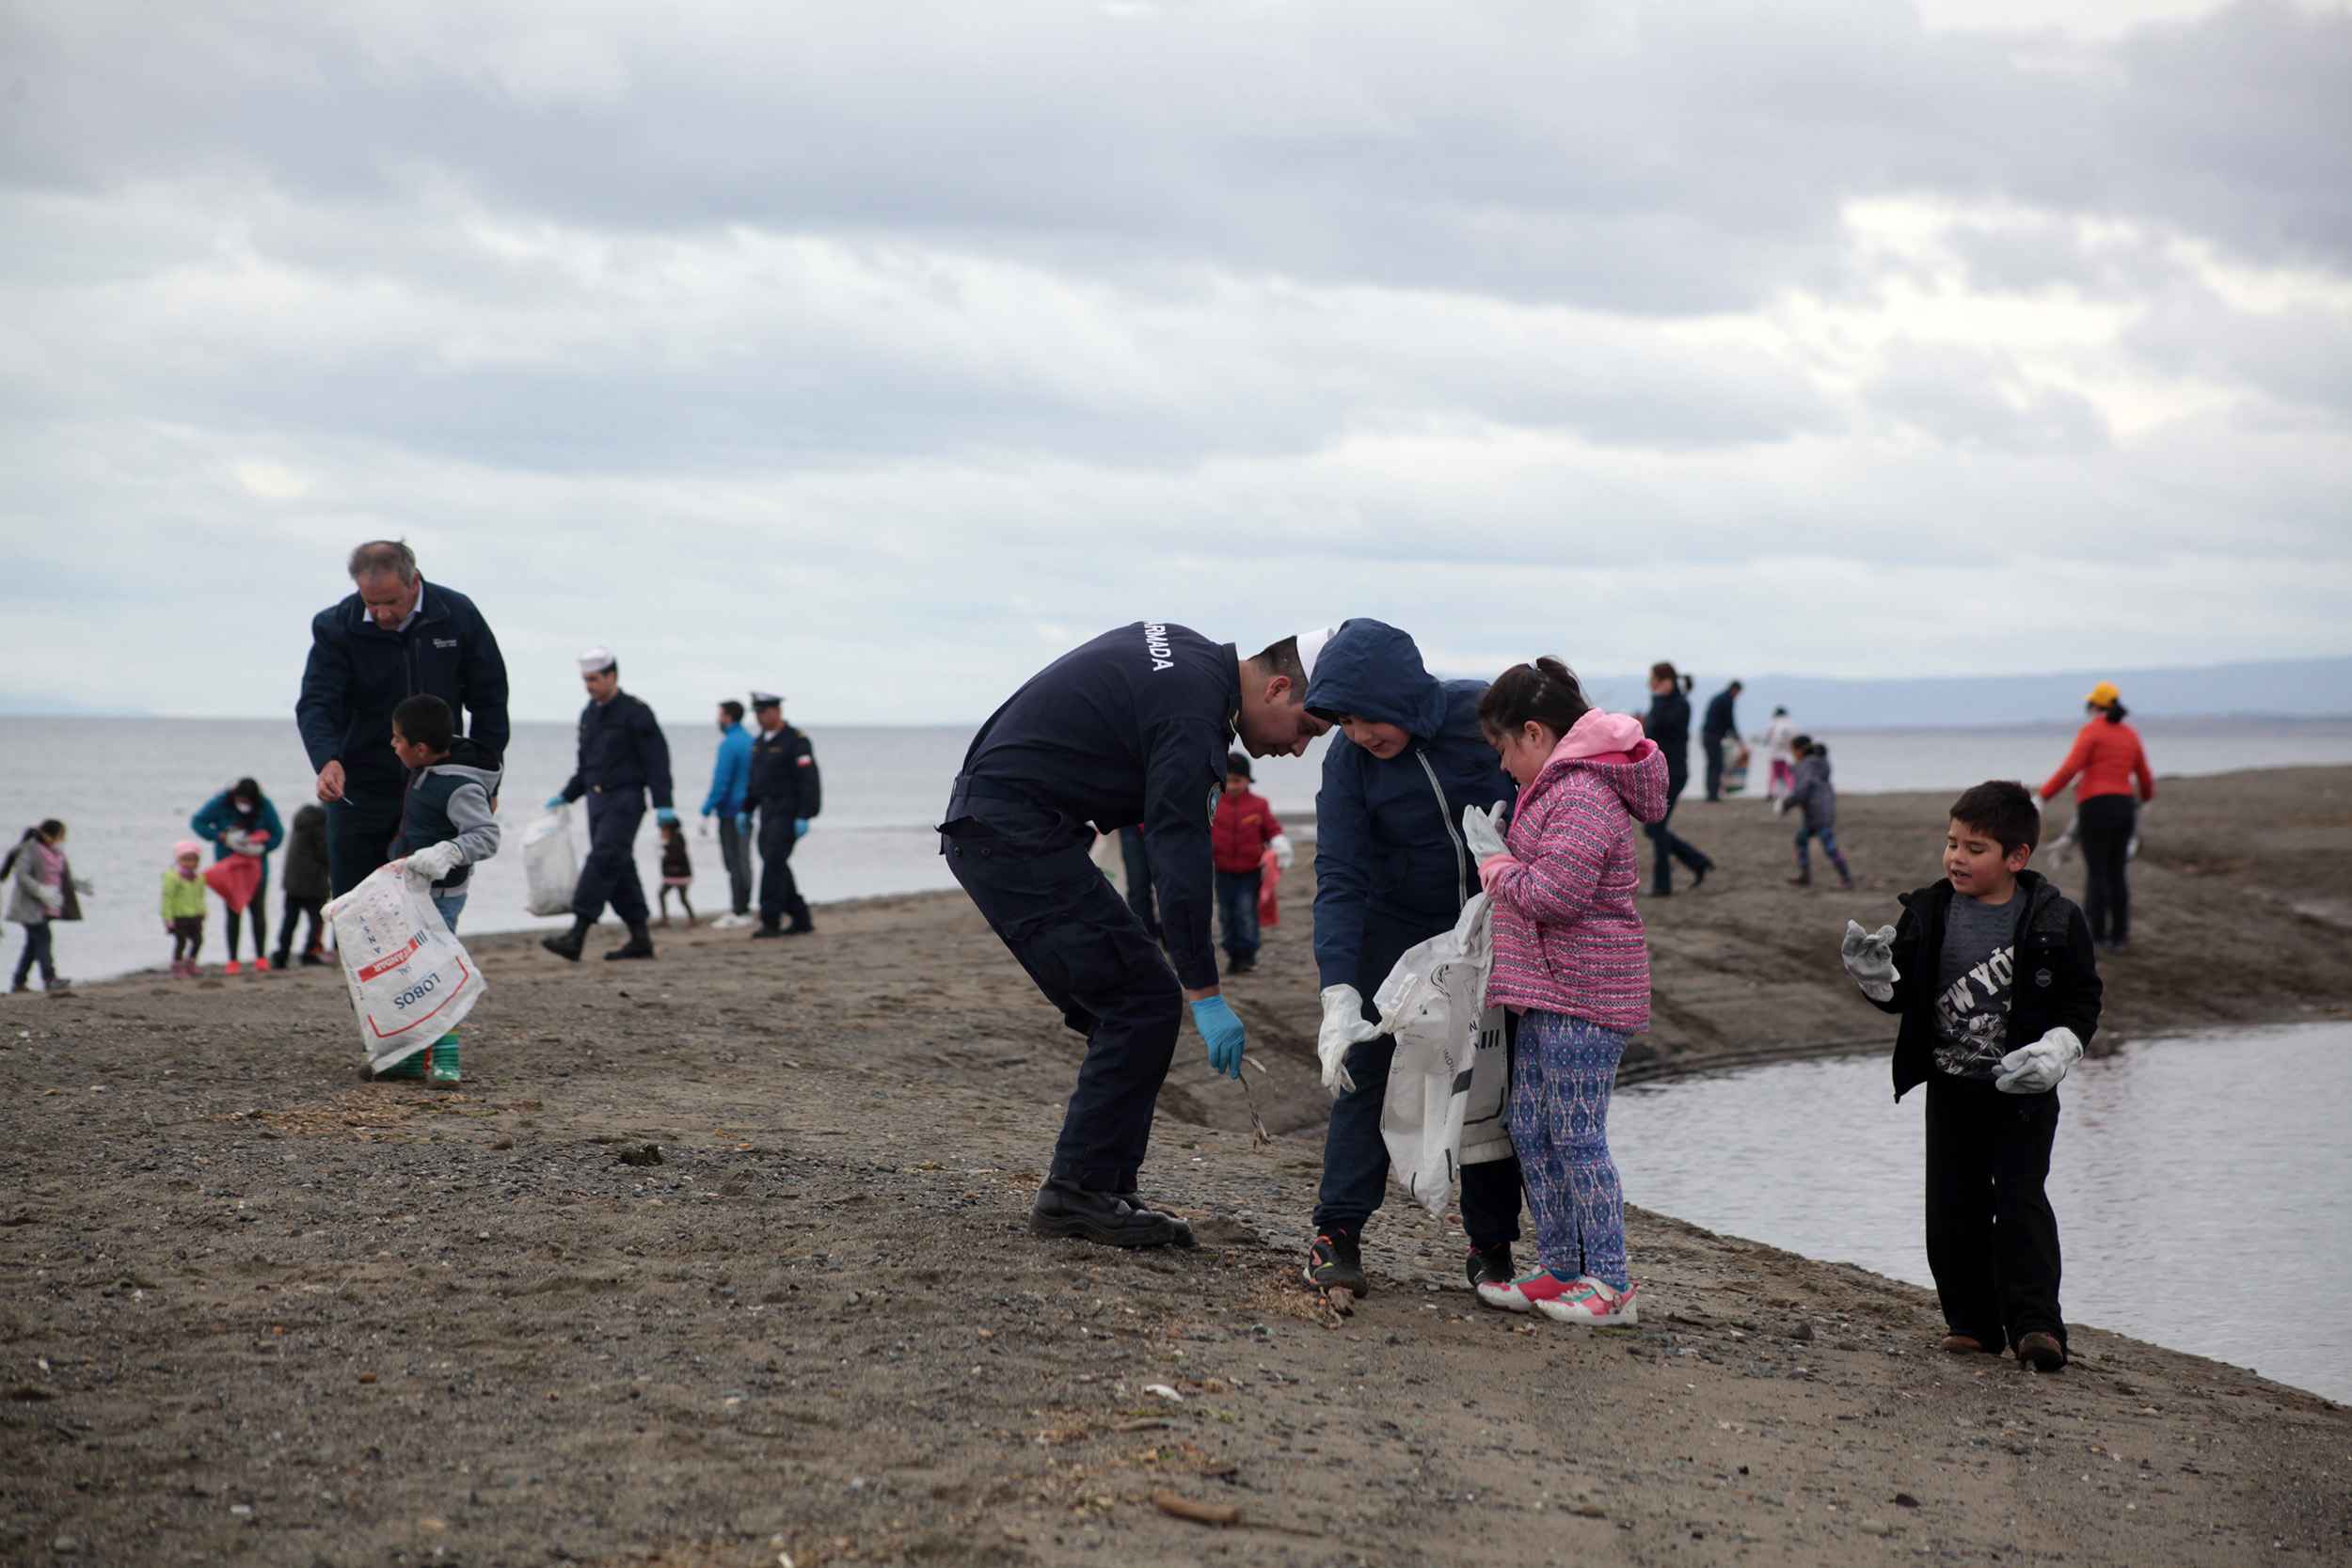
x,y
1566,936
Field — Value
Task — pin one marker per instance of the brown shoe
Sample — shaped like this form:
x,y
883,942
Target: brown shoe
x,y
2041,1352
1963,1344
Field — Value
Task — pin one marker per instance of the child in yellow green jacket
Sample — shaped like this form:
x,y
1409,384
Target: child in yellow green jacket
x,y
183,906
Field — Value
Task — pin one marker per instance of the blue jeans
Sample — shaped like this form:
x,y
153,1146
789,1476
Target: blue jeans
x,y
1562,1070
452,905
1237,912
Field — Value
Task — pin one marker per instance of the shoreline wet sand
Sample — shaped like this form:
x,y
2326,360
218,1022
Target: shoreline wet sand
x,y
258,1310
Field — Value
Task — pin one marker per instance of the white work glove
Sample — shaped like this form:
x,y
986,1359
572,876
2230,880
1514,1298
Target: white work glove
x,y
2038,1067
1780,805
1343,1025
2065,845
1871,960
1481,832
2140,820
1284,853
434,861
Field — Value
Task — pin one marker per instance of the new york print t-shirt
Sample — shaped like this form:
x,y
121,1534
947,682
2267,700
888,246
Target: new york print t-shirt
x,y
1972,1009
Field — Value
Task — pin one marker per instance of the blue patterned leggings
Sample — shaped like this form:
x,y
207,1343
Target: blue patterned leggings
x,y
1562,1073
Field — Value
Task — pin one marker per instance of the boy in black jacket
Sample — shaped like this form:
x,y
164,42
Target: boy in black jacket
x,y
1992,974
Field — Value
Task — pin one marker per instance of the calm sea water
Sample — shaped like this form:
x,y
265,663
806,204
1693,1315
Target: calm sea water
x,y
2203,1184
126,787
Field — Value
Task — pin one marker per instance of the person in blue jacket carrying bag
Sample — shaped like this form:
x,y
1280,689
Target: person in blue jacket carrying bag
x,y
1390,872
729,800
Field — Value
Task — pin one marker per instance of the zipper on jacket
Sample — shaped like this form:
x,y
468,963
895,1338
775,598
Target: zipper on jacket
x,y
1461,856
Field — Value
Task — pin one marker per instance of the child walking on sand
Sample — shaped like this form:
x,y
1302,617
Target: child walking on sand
x,y
1992,974
1571,957
1812,792
40,891
183,906
678,871
447,824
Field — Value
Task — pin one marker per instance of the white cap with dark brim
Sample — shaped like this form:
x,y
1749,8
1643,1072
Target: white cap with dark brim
x,y
596,660
766,699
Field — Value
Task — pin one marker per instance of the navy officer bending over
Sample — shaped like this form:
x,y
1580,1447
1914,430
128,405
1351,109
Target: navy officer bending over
x,y
1131,727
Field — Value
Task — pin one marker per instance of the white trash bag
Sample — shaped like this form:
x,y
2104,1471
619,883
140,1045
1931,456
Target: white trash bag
x,y
550,864
1448,1081
410,981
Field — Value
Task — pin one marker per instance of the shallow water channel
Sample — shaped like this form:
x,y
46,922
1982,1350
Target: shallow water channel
x,y
2203,1184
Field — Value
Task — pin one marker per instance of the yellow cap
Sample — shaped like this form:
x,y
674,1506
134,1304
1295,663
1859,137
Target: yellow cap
x,y
2103,695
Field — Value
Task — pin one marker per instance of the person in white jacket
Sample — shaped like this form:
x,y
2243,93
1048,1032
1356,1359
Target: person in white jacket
x,y
1775,743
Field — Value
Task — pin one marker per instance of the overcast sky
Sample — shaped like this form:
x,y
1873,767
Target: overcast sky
x,y
879,354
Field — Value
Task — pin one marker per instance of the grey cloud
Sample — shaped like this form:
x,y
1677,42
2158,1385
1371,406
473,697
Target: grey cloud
x,y
1682,162
1970,399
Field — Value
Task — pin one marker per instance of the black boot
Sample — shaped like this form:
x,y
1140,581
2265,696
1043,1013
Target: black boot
x,y
639,945
1490,1265
1065,1209
801,926
567,945
1134,1200
768,928
1336,1262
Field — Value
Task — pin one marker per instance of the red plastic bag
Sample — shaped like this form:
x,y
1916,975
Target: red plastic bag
x,y
236,879
1269,878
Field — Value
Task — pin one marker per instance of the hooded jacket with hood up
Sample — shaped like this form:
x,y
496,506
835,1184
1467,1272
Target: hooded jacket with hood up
x,y
1810,791
1568,938
1390,867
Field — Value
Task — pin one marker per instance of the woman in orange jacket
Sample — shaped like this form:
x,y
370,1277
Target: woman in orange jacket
x,y
2115,781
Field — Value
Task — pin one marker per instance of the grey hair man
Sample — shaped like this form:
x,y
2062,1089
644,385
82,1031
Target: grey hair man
x,y
391,638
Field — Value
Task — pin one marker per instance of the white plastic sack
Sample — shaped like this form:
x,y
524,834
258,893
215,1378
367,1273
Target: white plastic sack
x,y
1449,1078
550,864
411,980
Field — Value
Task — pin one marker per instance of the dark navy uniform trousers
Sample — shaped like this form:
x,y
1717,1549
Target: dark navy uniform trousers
x,y
610,871
1092,956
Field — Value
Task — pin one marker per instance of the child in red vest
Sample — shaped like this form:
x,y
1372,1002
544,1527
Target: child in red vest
x,y
1243,831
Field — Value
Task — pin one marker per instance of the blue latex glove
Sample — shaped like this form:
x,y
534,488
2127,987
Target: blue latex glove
x,y
799,826
1222,1031
664,817
554,801
743,824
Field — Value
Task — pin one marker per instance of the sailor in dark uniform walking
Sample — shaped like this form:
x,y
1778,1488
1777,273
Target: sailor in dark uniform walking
x,y
788,792
1131,727
623,758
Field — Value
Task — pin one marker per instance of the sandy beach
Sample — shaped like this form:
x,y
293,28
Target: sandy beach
x,y
721,1259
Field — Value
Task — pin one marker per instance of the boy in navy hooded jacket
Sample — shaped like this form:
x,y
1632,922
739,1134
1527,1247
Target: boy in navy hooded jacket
x,y
1390,871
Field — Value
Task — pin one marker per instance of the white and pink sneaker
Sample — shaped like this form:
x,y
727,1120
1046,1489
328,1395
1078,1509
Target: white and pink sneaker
x,y
1591,1304
1527,1292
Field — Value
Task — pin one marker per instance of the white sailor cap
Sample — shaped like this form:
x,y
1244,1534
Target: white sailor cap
x,y
765,699
596,660
1311,647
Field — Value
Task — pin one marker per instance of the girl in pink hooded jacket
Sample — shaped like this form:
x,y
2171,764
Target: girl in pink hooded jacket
x,y
1572,957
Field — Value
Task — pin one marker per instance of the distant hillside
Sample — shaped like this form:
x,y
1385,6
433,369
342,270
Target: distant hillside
x,y
2299,689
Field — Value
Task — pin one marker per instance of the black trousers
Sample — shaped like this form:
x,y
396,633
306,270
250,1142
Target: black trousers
x,y
1992,1241
260,928
2106,840
1356,1158
1090,955
359,835
735,847
294,909
779,891
1137,863
609,875
1667,847
1713,746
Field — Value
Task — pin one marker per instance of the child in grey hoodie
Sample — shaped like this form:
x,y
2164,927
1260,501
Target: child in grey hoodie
x,y
1811,792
